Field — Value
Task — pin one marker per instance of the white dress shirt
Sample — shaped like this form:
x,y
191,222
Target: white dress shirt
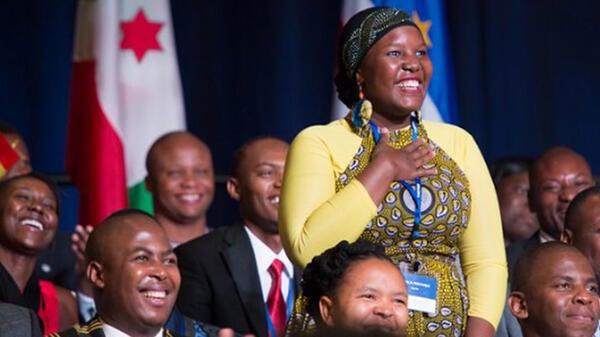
x,y
545,237
111,331
264,256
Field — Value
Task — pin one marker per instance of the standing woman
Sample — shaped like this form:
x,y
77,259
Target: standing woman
x,y
418,188
28,222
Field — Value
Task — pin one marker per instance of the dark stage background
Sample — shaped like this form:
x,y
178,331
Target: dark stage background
x,y
527,72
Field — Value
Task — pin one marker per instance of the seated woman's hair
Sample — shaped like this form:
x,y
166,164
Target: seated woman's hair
x,y
324,273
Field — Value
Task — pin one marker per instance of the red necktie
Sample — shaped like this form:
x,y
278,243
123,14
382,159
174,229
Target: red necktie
x,y
275,300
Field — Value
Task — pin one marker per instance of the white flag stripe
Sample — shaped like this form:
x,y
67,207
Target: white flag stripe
x,y
141,99
350,8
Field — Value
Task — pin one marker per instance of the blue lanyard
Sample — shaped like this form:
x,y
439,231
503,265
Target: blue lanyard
x,y
289,302
415,192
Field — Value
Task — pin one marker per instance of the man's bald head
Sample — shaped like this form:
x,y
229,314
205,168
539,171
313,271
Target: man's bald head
x,y
168,142
114,229
555,178
554,156
181,180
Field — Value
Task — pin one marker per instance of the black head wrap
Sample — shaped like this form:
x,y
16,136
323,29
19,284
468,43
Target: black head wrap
x,y
358,36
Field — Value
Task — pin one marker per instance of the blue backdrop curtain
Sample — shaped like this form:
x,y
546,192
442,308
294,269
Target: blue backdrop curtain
x,y
527,74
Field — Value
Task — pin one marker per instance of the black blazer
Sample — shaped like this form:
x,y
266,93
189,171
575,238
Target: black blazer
x,y
509,326
94,329
17,321
57,262
517,249
220,283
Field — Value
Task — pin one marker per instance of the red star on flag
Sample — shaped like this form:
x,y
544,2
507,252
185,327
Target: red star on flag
x,y
140,35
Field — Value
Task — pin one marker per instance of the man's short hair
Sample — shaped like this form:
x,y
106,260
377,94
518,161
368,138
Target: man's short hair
x,y
531,260
506,167
96,242
576,203
240,154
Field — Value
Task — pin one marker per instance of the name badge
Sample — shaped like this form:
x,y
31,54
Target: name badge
x,y
422,292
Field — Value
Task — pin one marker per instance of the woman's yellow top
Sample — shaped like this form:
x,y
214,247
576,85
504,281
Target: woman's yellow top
x,y
313,217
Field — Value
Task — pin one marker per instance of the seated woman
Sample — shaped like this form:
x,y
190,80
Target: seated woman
x,y
28,222
354,289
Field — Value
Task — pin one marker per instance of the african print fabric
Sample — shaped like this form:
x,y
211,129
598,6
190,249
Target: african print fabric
x,y
445,209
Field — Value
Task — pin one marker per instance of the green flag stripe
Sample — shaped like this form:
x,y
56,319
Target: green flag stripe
x,y
140,198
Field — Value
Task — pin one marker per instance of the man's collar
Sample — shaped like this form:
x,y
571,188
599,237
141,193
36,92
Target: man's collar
x,y
111,331
545,237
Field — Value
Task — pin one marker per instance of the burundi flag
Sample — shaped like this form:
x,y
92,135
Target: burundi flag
x,y
8,155
440,103
125,93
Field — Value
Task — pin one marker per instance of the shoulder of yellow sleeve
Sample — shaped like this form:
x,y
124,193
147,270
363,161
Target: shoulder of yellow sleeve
x,y
336,127
456,141
437,129
336,132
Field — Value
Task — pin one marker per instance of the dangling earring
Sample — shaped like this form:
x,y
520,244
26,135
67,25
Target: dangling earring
x,y
361,112
361,94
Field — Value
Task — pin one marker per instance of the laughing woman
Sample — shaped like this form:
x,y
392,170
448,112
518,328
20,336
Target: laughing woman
x,y
28,222
418,188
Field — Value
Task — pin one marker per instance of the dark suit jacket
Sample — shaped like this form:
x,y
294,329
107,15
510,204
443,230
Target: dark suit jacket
x,y
94,329
16,321
186,326
220,283
515,250
57,262
509,326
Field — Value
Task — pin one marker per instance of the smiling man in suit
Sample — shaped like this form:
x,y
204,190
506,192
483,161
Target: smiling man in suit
x,y
134,276
554,292
555,179
239,276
